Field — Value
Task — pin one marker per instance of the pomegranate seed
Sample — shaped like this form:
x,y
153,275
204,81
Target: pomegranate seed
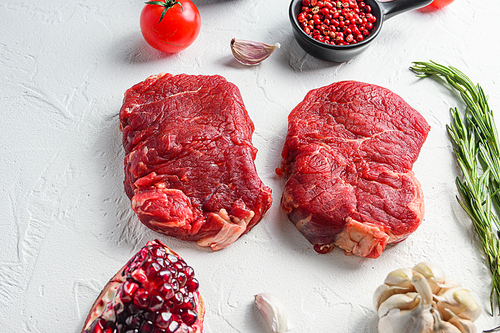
x,y
141,298
109,329
178,298
174,325
166,290
146,327
172,259
155,303
128,290
134,321
182,279
175,286
189,317
165,275
189,271
192,285
164,319
187,304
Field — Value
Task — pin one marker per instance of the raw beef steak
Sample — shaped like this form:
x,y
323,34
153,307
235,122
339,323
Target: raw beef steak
x,y
347,159
189,165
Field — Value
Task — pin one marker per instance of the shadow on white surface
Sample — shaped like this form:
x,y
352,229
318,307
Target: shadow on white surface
x,y
135,50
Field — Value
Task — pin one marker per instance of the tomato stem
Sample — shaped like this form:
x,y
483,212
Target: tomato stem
x,y
166,4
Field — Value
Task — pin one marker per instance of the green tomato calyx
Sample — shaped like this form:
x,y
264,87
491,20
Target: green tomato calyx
x,y
166,4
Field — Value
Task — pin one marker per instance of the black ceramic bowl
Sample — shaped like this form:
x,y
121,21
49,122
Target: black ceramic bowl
x,y
341,53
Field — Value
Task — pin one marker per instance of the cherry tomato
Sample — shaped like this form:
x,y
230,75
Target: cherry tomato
x,y
439,4
170,25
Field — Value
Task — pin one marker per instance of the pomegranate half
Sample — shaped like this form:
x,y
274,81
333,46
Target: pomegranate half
x,y
155,292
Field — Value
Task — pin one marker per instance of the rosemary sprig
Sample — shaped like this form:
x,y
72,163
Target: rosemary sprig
x,y
477,151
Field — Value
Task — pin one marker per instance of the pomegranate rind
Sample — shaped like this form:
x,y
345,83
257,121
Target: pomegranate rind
x,y
109,292
103,306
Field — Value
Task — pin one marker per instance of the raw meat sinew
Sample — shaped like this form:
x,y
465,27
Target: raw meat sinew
x,y
347,159
189,164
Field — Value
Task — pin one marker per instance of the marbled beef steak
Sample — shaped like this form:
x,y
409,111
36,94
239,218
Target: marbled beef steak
x,y
347,160
189,165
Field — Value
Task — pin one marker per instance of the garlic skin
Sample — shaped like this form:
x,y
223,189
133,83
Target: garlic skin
x,y
423,300
274,312
251,53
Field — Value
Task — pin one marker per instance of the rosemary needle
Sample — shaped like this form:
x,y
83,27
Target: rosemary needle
x,y
477,151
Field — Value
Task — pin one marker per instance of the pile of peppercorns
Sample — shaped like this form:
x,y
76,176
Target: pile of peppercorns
x,y
336,22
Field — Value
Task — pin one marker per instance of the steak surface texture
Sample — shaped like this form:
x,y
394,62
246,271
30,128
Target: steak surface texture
x,y
189,164
347,161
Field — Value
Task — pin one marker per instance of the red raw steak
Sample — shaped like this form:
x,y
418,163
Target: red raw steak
x,y
189,165
347,159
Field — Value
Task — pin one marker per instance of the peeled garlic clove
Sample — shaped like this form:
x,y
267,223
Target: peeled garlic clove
x,y
460,302
274,312
251,53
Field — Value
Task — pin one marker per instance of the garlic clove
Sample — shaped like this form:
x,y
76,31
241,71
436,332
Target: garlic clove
x,y
251,53
383,292
433,273
417,320
396,282
423,288
460,302
441,326
274,312
449,283
399,301
464,325
401,278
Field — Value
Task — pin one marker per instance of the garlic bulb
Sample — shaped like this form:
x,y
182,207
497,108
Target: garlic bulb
x,y
423,300
251,53
274,312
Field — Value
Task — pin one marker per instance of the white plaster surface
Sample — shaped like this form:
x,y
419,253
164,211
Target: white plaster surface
x,y
66,225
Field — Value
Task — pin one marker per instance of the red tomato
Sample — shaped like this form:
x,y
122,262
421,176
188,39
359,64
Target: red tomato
x,y
439,3
170,25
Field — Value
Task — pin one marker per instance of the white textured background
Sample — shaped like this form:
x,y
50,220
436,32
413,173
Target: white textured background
x,y
66,225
